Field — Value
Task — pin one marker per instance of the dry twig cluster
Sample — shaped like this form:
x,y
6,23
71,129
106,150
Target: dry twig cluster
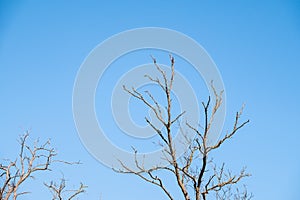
x,y
31,159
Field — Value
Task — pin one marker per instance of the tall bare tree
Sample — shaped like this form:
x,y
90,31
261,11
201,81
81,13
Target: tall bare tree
x,y
31,159
196,175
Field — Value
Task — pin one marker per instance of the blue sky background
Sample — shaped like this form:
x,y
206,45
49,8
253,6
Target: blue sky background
x,y
255,45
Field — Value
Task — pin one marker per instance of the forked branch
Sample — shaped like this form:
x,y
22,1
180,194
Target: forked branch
x,y
194,173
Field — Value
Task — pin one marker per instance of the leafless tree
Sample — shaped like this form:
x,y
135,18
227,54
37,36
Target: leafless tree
x,y
196,175
31,159
59,191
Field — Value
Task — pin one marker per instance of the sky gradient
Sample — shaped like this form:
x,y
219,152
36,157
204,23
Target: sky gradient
x,y
255,45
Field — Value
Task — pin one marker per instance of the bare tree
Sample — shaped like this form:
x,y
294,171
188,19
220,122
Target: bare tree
x,y
59,191
31,159
196,175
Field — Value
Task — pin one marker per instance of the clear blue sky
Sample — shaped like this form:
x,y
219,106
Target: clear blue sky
x,y
255,44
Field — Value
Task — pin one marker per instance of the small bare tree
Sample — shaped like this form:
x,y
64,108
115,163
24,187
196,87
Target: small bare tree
x,y
31,159
196,175
59,191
